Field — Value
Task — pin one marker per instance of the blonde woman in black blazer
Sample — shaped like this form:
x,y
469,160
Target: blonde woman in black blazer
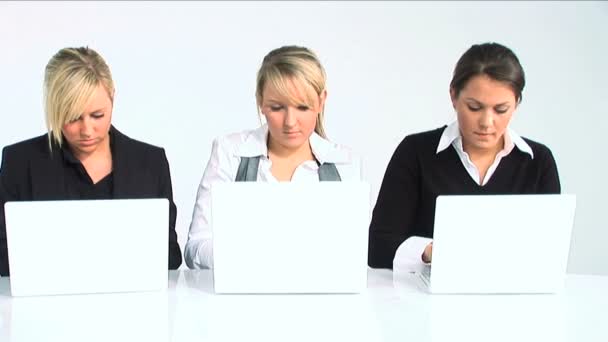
x,y
83,156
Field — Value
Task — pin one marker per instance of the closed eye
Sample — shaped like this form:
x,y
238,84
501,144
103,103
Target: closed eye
x,y
501,110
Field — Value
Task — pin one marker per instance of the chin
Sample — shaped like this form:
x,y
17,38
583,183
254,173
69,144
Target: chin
x,y
293,144
486,145
87,149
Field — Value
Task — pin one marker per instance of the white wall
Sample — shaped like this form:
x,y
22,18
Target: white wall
x,y
185,73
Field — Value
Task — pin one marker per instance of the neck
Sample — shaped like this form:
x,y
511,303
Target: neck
x,y
477,153
300,153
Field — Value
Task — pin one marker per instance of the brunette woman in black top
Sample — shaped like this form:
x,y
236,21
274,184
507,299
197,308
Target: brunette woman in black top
x,y
476,154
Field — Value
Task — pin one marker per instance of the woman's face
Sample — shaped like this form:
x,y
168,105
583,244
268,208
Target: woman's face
x,y
290,124
89,131
484,108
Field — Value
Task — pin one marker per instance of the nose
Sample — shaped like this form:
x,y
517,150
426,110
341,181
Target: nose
x,y
290,118
86,127
486,119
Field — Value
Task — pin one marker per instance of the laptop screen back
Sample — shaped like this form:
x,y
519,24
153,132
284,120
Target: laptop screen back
x,y
290,237
88,246
501,243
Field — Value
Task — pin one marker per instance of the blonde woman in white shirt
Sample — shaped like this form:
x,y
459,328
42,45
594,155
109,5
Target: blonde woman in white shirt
x,y
290,146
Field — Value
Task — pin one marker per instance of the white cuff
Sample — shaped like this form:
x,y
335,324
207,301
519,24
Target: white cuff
x,y
199,254
408,257
206,254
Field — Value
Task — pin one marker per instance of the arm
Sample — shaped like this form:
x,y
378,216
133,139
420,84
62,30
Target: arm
x,y
166,189
549,178
8,192
395,210
199,248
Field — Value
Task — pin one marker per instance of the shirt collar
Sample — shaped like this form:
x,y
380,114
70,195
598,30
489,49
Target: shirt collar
x,y
451,134
254,144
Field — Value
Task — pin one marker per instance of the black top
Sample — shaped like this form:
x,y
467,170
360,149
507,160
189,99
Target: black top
x,y
30,172
416,175
79,184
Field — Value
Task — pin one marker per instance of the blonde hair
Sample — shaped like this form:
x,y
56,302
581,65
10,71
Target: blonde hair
x,y
293,64
70,79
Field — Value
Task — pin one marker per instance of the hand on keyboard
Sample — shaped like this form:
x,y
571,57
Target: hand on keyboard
x,y
427,255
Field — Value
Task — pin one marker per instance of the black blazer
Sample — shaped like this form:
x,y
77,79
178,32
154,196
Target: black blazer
x,y
30,172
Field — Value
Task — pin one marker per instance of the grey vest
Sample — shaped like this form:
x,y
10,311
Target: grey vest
x,y
248,171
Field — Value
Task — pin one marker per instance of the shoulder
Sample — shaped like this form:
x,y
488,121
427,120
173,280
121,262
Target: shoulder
x,y
137,156
16,164
342,156
344,153
431,136
133,147
27,149
541,152
327,151
421,142
246,143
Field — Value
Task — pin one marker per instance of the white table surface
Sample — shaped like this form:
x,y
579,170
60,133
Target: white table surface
x,y
391,309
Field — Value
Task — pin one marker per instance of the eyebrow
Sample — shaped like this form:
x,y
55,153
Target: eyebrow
x,y
102,109
481,103
272,100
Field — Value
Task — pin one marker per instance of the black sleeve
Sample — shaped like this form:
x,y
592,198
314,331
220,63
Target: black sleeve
x,y
8,192
175,254
396,207
549,178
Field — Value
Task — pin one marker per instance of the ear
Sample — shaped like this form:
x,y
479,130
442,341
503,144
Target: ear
x,y
261,113
112,96
322,98
453,97
258,104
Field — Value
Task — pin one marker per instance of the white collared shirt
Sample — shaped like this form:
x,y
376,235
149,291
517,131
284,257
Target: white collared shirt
x,y
408,256
451,136
226,154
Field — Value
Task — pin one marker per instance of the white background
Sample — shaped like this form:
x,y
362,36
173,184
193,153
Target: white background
x,y
185,73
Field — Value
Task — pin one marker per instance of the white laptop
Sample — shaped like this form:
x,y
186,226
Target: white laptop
x,y
290,237
87,246
500,244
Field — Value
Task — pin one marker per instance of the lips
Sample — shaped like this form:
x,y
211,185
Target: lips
x,y
88,142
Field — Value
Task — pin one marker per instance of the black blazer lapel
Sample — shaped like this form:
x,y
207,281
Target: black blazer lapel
x,y
47,177
128,171
135,167
120,165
